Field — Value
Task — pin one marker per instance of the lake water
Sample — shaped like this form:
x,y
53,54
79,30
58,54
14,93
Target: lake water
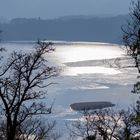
x,y
85,76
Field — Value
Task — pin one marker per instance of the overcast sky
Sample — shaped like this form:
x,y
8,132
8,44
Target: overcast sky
x,y
57,8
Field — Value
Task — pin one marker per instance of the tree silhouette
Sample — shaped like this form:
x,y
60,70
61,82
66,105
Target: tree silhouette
x,y
131,38
104,124
22,90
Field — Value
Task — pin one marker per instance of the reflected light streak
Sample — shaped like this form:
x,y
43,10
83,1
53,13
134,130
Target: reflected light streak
x,y
75,71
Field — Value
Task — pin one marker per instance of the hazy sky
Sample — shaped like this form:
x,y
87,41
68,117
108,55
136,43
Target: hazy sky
x,y
58,8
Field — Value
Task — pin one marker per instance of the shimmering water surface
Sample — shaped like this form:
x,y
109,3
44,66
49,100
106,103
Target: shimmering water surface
x,y
84,77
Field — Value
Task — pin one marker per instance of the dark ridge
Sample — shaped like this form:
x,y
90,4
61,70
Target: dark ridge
x,y
82,28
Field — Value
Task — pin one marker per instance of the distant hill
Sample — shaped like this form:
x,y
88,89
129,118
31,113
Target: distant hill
x,y
72,28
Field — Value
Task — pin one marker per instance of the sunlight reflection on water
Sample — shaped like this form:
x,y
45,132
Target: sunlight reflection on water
x,y
74,53
82,52
74,71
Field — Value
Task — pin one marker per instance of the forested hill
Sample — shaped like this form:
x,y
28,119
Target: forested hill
x,y
73,28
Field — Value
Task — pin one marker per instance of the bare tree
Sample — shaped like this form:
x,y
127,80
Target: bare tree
x,y
22,90
136,119
83,127
131,37
34,129
105,124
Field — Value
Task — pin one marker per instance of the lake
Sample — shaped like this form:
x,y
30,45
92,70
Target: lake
x,y
86,76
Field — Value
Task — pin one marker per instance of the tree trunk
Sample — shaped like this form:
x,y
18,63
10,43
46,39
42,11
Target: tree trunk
x,y
11,135
11,132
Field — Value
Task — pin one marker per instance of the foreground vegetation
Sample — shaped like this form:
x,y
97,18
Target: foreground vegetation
x,y
23,79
